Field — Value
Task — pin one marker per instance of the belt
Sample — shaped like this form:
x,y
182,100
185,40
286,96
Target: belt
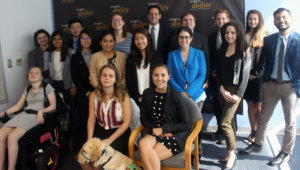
x,y
283,82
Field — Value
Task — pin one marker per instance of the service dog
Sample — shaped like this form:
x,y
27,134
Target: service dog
x,y
104,156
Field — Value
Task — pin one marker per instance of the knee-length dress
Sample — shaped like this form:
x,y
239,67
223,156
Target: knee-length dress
x,y
35,101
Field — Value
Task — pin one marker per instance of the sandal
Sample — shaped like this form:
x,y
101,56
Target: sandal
x,y
250,139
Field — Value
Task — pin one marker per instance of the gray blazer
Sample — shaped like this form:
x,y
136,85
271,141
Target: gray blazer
x,y
66,73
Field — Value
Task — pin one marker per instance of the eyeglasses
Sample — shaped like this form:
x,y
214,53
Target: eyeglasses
x,y
88,38
116,20
184,37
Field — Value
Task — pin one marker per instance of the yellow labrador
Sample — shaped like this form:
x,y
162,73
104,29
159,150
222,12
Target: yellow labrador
x,y
104,156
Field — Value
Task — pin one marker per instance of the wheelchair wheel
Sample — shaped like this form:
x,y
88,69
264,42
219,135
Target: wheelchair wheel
x,y
48,160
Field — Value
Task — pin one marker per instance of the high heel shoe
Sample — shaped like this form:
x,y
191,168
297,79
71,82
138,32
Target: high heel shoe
x,y
229,168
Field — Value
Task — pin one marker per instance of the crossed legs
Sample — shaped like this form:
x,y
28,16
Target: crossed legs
x,y
152,152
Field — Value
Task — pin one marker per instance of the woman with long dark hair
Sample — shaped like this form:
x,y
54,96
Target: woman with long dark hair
x,y
232,76
139,64
255,33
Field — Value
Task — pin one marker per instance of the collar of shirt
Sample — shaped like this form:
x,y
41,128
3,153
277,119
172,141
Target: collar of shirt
x,y
155,26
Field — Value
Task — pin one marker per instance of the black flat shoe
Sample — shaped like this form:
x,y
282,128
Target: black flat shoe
x,y
223,160
229,168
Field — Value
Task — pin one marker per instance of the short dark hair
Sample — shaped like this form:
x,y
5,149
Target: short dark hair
x,y
79,49
153,6
74,20
39,32
187,29
161,65
181,18
280,10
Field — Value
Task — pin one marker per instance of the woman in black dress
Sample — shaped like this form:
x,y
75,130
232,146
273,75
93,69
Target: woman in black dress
x,y
164,115
255,33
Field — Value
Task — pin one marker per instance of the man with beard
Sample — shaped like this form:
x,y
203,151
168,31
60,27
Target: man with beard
x,y
281,57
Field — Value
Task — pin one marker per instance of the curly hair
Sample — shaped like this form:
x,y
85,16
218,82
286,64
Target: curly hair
x,y
40,31
119,91
124,28
241,43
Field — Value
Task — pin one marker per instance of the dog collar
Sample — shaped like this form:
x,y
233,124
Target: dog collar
x,y
107,160
85,156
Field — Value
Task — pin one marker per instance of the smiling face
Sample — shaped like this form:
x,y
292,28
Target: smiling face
x,y
189,21
107,43
35,75
85,41
253,20
75,29
42,39
140,41
221,19
108,77
283,21
184,39
117,22
153,16
57,42
160,77
230,34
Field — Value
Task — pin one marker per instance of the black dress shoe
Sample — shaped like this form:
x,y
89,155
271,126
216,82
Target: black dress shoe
x,y
229,168
253,148
215,135
280,158
221,140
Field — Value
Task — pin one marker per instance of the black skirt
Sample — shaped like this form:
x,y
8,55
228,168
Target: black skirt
x,y
254,90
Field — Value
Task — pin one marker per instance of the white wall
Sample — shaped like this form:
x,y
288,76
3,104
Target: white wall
x,y
19,20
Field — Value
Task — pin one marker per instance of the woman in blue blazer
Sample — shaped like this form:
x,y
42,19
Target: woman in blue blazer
x,y
188,67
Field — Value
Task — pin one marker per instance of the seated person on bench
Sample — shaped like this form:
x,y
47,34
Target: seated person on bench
x,y
35,106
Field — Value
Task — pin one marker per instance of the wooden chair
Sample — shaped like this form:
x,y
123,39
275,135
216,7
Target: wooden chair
x,y
181,161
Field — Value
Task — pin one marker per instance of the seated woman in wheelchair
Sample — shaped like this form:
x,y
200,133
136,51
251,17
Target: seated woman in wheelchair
x,y
31,116
109,112
165,119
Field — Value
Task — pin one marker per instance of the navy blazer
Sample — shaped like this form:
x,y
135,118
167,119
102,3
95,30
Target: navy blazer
x,y
193,74
292,58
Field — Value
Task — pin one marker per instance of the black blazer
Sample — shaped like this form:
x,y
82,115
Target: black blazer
x,y
257,69
177,118
131,76
163,41
80,74
212,44
199,42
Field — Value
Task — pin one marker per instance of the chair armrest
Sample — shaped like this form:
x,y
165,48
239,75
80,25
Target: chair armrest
x,y
193,137
132,137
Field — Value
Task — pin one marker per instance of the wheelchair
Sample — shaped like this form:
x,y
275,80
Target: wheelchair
x,y
41,146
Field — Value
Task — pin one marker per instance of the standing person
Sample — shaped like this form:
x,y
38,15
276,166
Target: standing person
x,y
281,58
80,64
222,16
75,28
107,56
57,60
198,42
160,34
109,100
16,127
139,64
123,37
188,69
164,115
232,76
255,33
41,41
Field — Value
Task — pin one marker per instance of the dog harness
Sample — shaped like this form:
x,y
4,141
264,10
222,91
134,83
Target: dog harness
x,y
85,157
105,152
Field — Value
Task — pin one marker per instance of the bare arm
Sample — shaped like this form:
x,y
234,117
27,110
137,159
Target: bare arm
x,y
92,117
16,107
126,107
51,107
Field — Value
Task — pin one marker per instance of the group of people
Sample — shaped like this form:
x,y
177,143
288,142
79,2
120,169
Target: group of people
x,y
157,68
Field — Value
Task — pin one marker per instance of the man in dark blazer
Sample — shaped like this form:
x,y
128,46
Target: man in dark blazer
x,y
222,16
160,34
75,28
281,58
